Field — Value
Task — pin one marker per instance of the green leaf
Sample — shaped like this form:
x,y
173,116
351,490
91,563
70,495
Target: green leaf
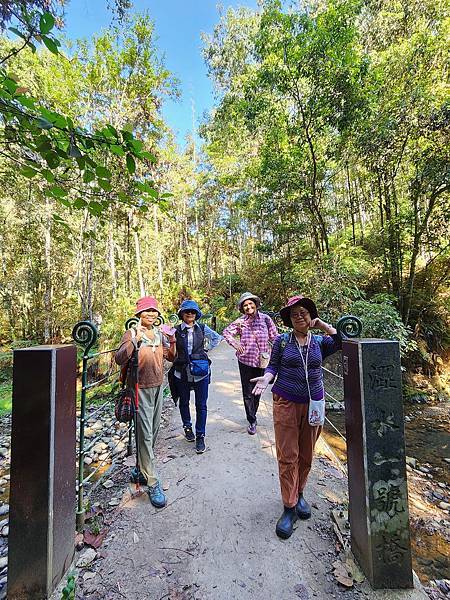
x,y
43,123
28,172
50,43
95,208
166,195
127,135
60,122
52,159
46,23
137,145
117,150
81,162
27,102
44,146
62,153
104,184
88,176
143,187
79,203
113,130
148,155
103,172
57,191
91,162
10,85
48,175
60,221
131,164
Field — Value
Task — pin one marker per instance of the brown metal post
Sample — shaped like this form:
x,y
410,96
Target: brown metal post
x,y
42,496
378,494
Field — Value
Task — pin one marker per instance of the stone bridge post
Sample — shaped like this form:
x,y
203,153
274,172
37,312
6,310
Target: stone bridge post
x,y
378,494
42,494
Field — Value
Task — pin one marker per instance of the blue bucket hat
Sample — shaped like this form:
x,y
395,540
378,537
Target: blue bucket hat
x,y
189,305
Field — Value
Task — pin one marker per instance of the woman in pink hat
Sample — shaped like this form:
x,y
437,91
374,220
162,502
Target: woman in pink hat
x,y
298,401
153,346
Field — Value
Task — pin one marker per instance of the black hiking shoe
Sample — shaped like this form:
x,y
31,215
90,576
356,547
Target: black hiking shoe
x,y
285,524
189,434
303,508
200,445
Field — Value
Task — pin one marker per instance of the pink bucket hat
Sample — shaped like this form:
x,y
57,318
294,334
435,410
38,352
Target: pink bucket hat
x,y
285,312
147,303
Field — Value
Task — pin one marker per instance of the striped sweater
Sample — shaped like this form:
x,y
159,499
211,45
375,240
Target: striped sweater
x,y
287,366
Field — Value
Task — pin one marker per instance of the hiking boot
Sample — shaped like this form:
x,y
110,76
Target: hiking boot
x,y
285,524
189,434
156,495
200,444
251,429
134,477
303,508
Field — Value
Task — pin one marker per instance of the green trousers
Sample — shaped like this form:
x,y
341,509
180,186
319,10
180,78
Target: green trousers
x,y
149,418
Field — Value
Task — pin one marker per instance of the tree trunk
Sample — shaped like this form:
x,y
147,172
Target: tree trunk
x,y
351,206
112,256
158,252
48,329
137,249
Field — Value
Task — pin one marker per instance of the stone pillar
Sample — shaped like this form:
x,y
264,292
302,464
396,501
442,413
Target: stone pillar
x,y
378,509
42,494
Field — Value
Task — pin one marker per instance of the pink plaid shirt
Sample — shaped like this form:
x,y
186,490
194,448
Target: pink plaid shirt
x,y
254,334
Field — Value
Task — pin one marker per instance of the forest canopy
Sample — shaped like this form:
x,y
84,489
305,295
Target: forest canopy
x,y
323,169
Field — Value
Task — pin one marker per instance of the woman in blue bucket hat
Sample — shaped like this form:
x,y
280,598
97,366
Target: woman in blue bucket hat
x,y
192,369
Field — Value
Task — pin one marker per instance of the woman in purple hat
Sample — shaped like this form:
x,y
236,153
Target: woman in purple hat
x,y
250,336
153,346
298,401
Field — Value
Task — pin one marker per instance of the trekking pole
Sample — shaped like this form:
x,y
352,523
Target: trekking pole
x,y
136,414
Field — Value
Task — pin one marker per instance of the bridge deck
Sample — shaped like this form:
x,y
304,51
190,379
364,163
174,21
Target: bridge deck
x,y
216,538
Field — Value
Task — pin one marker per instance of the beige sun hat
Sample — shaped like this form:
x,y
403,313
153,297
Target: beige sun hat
x,y
248,296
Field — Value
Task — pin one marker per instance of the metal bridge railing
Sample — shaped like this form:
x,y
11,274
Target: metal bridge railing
x,y
86,334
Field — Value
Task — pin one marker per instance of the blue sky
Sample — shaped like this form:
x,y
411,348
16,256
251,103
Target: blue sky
x,y
178,24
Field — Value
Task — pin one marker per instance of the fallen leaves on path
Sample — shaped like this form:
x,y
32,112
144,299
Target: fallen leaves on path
x,y
347,572
95,540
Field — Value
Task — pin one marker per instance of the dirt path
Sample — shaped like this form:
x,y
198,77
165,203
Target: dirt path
x,y
216,537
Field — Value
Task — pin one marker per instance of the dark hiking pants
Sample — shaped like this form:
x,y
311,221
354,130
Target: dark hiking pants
x,y
251,402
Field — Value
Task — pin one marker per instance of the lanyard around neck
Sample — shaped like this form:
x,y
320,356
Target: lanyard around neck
x,y
305,360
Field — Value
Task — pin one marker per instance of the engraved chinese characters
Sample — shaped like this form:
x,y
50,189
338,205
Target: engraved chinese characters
x,y
378,494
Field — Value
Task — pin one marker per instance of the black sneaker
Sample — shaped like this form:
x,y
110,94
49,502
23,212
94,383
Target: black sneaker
x,y
189,434
200,445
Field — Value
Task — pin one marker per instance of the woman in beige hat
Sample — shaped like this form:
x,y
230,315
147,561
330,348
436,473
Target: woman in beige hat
x,y
250,335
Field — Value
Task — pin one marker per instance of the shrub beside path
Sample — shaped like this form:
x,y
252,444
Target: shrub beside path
x,y
216,537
